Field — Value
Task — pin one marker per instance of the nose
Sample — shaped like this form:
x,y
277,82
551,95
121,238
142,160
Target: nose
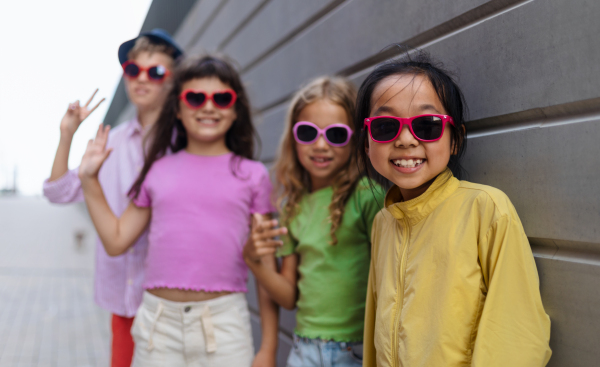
x,y
209,106
321,143
143,76
406,138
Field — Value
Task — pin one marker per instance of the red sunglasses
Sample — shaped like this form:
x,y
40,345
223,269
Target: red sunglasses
x,y
427,128
195,99
155,73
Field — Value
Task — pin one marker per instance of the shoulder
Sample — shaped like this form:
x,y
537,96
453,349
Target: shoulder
x,y
486,196
121,129
255,170
367,190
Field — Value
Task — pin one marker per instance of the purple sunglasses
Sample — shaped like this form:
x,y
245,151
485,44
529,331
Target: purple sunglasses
x,y
336,135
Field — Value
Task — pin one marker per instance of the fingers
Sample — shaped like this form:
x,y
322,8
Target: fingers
x,y
106,154
92,97
97,104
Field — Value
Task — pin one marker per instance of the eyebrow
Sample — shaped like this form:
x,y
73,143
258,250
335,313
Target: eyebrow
x,y
428,107
384,108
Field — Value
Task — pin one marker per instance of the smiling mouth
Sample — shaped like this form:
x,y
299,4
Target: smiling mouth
x,y
407,163
206,121
320,159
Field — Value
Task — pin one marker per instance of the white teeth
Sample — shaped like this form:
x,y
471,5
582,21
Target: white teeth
x,y
320,160
410,163
208,121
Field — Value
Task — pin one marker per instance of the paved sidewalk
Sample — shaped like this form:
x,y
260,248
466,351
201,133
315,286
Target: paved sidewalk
x,y
47,313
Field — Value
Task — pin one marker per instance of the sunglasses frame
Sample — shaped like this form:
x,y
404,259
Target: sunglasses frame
x,y
145,69
407,121
208,96
321,132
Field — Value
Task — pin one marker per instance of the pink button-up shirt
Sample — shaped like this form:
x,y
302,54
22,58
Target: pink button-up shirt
x,y
118,280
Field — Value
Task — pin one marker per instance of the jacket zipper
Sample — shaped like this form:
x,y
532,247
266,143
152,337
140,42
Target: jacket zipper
x,y
400,294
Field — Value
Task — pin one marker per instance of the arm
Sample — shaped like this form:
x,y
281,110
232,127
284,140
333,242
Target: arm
x,y
258,252
269,322
68,126
116,234
514,329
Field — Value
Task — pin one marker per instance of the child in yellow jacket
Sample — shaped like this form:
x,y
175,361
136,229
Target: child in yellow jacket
x,y
452,281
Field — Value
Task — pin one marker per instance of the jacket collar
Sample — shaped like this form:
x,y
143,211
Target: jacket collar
x,y
420,207
135,127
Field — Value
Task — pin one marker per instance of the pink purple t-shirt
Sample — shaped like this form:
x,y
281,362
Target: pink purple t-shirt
x,y
201,209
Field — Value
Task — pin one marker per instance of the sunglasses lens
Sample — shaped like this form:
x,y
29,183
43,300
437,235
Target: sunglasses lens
x,y
223,99
131,70
384,129
195,99
337,135
306,133
157,72
428,127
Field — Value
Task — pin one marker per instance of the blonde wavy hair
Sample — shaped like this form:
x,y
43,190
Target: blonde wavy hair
x,y
292,180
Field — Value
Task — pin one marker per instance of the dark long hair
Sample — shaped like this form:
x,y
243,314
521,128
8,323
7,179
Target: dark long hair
x,y
444,85
240,137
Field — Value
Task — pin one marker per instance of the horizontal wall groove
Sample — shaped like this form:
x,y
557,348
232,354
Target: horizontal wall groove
x,y
447,29
436,34
206,24
561,114
292,34
565,250
242,24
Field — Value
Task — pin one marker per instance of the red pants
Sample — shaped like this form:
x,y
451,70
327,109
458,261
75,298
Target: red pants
x,y
122,342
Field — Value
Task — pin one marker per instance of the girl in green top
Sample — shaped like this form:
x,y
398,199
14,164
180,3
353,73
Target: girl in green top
x,y
327,212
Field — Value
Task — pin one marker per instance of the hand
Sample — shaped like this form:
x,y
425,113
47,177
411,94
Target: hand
x,y
264,359
95,154
262,239
75,115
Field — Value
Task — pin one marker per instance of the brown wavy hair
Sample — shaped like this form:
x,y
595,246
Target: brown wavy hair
x,y
292,180
168,133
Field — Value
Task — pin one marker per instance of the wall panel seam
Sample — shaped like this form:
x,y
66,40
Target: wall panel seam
x,y
206,24
242,24
293,33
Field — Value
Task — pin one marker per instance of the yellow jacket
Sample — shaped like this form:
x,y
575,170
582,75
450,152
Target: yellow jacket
x,y
453,282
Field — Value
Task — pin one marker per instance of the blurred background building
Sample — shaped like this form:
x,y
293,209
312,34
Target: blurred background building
x,y
529,71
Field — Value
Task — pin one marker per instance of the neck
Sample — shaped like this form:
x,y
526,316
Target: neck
x,y
318,183
409,194
217,147
148,116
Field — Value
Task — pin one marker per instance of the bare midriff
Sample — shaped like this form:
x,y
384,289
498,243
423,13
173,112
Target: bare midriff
x,y
182,295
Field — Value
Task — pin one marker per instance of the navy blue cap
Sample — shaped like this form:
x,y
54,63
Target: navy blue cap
x,y
156,35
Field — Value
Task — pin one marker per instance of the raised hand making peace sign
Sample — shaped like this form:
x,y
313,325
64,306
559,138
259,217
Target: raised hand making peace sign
x,y
76,114
95,154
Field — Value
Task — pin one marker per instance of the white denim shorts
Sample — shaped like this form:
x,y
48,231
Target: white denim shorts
x,y
209,333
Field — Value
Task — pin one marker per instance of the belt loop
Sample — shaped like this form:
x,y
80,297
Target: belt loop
x,y
209,330
159,310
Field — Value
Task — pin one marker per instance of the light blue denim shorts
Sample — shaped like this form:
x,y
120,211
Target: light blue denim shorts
x,y
324,353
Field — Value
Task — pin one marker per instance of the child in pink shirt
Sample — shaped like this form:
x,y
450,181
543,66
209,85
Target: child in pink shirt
x,y
198,203
118,280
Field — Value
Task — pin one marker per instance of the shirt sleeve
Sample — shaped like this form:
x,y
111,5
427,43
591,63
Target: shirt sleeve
x,y
144,198
261,195
514,329
66,189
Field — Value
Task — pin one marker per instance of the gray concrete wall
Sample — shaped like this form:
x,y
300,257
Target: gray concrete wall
x,y
529,71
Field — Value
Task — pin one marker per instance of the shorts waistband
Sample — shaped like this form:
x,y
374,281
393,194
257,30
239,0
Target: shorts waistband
x,y
216,305
318,341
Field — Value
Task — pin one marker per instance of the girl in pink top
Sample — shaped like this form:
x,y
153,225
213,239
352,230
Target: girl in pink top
x,y
197,202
